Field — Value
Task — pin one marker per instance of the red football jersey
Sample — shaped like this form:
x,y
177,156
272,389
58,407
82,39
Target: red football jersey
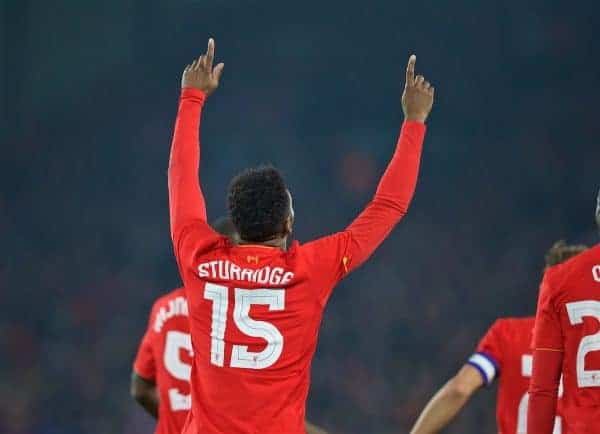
x,y
165,357
568,323
255,310
505,352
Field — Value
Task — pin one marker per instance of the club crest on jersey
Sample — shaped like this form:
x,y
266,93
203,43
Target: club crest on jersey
x,y
252,259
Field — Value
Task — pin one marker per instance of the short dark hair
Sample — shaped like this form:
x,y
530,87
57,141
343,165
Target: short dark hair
x,y
258,202
561,251
224,226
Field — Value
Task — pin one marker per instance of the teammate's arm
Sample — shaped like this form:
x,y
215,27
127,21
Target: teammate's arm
x,y
186,202
145,393
313,429
397,186
448,401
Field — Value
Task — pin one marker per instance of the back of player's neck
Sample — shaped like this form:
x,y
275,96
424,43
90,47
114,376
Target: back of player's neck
x,y
276,242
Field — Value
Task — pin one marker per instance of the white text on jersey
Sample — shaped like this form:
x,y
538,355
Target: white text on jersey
x,y
226,270
177,306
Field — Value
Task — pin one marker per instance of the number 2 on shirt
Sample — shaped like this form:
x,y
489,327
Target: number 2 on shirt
x,y
577,311
244,299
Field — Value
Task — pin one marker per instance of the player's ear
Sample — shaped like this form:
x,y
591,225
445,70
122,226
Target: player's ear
x,y
289,222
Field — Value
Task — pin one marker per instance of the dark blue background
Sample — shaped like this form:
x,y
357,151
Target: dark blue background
x,y
89,93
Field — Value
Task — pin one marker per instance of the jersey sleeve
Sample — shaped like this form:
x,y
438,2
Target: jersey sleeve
x,y
341,253
145,363
488,358
190,231
547,361
547,333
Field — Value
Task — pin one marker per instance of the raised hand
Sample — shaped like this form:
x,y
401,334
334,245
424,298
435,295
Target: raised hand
x,y
201,74
417,98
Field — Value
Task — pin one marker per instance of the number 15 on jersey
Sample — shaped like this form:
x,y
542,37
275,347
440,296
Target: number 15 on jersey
x,y
241,357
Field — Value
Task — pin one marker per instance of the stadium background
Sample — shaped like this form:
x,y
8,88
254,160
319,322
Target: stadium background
x,y
89,92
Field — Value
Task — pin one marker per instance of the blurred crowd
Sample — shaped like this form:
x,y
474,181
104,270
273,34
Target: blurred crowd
x,y
510,165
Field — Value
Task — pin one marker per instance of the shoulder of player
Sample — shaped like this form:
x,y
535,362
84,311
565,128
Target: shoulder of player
x,y
163,301
507,326
557,275
165,298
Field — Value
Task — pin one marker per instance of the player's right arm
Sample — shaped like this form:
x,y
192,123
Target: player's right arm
x,y
143,377
481,369
145,393
313,429
186,201
547,362
448,401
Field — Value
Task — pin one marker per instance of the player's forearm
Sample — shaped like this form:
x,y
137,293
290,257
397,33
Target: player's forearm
x,y
145,393
313,429
543,391
392,198
440,411
186,202
397,185
150,403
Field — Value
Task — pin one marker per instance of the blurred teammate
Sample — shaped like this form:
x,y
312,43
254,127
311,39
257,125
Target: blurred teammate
x,y
161,372
567,341
255,307
504,352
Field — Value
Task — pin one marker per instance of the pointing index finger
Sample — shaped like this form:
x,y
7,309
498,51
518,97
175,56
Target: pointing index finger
x,y
210,53
410,70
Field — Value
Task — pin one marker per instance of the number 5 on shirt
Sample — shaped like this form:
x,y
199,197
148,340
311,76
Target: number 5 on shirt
x,y
244,299
176,341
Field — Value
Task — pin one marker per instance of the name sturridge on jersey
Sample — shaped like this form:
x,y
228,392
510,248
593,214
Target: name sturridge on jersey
x,y
227,270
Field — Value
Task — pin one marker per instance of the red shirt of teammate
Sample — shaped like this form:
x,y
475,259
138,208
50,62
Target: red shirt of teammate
x,y
567,340
505,352
255,310
164,357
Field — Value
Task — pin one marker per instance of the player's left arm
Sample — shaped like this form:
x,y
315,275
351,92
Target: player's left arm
x,y
313,429
397,185
186,201
547,363
144,391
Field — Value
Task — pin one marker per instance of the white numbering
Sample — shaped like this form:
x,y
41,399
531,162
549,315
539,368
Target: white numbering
x,y
596,272
244,298
174,343
577,311
241,357
526,370
218,295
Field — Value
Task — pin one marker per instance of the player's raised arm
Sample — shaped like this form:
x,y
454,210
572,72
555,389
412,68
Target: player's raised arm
x,y
397,185
186,202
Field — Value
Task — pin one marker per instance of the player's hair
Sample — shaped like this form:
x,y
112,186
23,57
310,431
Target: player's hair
x,y
224,226
561,251
258,203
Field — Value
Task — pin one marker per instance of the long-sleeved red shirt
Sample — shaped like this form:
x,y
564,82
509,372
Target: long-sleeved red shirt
x,y
164,357
566,339
255,310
